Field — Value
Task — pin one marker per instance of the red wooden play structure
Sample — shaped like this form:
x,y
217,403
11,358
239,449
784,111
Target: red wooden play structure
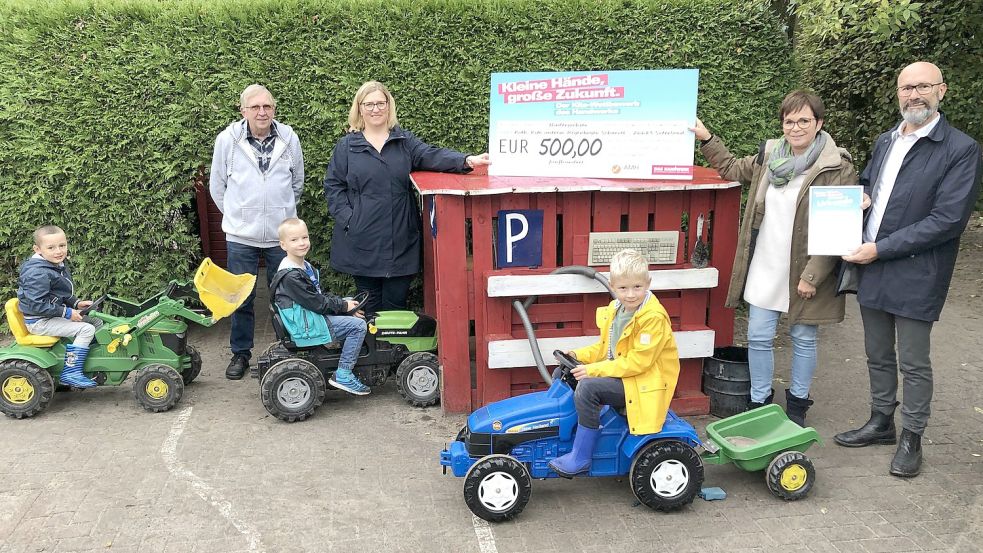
x,y
482,343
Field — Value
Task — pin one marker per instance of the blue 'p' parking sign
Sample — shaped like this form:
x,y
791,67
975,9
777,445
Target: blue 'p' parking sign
x,y
520,238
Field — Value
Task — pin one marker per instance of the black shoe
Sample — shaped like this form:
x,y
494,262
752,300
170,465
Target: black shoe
x,y
796,407
907,460
754,404
878,430
237,367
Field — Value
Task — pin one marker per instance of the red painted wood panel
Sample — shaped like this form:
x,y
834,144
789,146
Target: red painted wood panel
x,y
450,270
568,220
723,247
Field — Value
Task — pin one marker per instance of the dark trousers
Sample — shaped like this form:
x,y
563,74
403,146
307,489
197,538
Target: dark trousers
x,y
245,259
385,293
882,331
593,393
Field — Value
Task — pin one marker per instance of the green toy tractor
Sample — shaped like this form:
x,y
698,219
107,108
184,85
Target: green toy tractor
x,y
294,380
148,339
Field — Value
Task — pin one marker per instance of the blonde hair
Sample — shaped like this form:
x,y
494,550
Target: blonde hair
x,y
253,90
288,224
355,120
45,230
629,264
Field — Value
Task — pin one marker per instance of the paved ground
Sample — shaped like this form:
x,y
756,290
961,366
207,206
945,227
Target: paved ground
x,y
96,473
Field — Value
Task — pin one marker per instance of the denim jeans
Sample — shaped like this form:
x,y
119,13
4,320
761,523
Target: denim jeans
x,y
761,327
352,331
245,259
384,293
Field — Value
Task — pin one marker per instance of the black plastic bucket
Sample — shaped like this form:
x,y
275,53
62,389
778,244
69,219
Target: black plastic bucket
x,y
727,381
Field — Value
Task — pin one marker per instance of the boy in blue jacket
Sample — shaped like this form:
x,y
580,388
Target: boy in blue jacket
x,y
299,283
46,297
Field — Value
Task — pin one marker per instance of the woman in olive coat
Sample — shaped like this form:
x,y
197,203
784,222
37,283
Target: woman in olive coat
x,y
773,271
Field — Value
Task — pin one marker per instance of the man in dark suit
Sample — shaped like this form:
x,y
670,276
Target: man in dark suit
x,y
923,178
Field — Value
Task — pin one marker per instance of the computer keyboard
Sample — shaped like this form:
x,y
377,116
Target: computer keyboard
x,y
658,246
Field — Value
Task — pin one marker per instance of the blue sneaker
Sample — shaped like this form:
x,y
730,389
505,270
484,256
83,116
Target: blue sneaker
x,y
347,381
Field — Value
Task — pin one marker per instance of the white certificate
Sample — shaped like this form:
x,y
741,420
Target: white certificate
x,y
835,219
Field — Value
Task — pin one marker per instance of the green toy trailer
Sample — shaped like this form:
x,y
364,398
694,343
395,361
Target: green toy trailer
x,y
148,339
765,439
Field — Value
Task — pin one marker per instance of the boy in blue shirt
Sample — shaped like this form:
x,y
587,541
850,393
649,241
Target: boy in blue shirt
x,y
46,297
300,283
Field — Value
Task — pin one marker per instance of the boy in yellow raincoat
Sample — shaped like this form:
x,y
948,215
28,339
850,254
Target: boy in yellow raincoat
x,y
634,365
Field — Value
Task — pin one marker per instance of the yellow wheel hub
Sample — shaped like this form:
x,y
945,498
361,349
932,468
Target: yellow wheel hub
x,y
794,477
157,388
17,389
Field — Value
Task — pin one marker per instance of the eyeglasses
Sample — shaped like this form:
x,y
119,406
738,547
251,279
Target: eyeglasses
x,y
255,109
372,106
923,88
801,123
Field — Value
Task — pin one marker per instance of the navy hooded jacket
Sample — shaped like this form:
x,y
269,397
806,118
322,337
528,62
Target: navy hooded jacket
x,y
918,239
45,289
377,223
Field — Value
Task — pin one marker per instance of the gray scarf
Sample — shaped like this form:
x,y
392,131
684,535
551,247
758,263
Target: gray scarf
x,y
783,166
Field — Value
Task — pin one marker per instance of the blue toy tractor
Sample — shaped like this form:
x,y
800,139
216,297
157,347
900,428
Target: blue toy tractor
x,y
508,443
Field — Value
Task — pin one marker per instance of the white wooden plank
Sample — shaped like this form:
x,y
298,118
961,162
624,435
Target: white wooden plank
x,y
542,285
504,354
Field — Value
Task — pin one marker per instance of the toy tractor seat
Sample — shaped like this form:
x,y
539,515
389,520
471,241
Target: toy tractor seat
x,y
284,337
19,328
221,291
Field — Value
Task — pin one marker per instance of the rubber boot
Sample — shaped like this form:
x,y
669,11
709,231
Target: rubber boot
x,y
72,375
907,460
878,430
579,459
755,404
796,407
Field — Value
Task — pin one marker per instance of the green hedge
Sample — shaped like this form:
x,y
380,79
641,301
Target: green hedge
x,y
855,69
107,109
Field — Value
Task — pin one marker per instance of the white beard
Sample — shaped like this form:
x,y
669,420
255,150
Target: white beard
x,y
918,116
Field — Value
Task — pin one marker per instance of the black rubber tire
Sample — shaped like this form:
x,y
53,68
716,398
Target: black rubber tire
x,y
291,377
492,471
794,465
37,378
144,386
191,373
269,349
418,379
674,457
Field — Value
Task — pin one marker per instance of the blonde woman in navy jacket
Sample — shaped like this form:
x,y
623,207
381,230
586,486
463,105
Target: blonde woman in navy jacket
x,y
377,225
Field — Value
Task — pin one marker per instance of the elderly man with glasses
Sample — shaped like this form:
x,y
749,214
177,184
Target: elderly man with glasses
x,y
923,178
257,179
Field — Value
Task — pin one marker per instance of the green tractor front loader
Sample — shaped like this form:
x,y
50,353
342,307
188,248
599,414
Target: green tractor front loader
x,y
148,339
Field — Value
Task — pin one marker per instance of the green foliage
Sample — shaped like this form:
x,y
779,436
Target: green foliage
x,y
830,19
108,109
853,52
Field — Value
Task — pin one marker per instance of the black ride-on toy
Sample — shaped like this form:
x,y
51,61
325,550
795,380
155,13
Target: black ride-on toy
x,y
294,380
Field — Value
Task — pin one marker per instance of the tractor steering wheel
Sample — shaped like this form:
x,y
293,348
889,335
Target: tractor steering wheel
x,y
567,364
95,305
359,299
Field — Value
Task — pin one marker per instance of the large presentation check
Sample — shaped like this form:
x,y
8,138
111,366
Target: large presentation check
x,y
594,124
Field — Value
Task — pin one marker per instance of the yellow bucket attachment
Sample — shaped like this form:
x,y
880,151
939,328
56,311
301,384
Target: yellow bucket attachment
x,y
221,291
